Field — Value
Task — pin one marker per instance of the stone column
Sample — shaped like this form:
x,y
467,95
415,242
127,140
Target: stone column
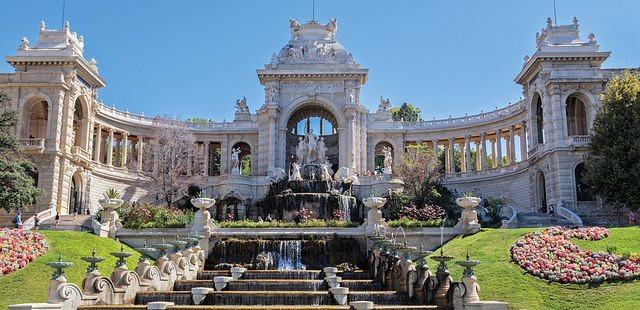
x,y
207,146
125,151
447,169
478,155
451,160
467,154
498,148
512,146
110,148
523,141
434,145
493,154
140,150
351,132
272,143
98,142
483,146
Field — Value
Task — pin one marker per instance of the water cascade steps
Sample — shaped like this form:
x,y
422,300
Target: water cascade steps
x,y
272,289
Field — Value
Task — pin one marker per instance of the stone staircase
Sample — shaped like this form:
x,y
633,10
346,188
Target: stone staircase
x,y
273,289
69,222
535,219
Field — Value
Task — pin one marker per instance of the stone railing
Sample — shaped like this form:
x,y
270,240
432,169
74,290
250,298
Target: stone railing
x,y
392,264
580,141
455,176
567,214
80,153
42,216
123,284
145,120
32,145
533,150
512,217
463,121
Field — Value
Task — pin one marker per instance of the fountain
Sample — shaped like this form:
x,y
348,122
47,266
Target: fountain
x,y
93,261
468,223
471,287
374,222
444,280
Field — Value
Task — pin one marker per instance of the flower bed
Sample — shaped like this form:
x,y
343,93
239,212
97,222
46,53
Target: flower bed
x,y
551,255
18,248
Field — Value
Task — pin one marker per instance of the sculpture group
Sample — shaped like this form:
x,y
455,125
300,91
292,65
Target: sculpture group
x,y
311,150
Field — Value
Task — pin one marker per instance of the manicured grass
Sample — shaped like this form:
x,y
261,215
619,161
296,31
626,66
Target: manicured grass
x,y
624,240
29,284
503,280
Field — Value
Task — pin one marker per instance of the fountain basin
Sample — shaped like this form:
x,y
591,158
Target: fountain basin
x,y
199,294
333,281
330,271
340,294
221,282
236,272
361,305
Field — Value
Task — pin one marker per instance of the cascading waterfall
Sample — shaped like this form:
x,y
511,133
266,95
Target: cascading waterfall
x,y
343,203
289,255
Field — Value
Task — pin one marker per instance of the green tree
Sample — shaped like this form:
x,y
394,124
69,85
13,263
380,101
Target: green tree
x,y
17,186
406,112
419,170
613,167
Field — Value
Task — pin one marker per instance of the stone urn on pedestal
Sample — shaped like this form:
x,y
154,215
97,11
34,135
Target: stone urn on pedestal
x,y
374,222
468,223
110,217
202,221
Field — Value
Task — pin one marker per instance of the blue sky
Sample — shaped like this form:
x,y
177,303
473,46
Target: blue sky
x,y
194,58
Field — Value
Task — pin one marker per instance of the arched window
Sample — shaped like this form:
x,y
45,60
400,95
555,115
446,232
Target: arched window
x,y
539,119
583,192
379,155
79,125
38,116
576,116
244,157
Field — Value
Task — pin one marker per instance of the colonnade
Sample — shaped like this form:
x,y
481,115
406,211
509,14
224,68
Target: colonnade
x,y
488,148
121,147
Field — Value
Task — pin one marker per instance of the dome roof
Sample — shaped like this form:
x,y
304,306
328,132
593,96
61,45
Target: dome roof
x,y
313,43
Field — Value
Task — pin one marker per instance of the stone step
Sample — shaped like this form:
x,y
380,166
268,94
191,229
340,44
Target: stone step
x,y
257,307
285,274
279,285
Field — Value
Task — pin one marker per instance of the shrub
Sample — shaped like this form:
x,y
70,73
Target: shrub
x,y
494,207
286,224
426,213
153,216
409,223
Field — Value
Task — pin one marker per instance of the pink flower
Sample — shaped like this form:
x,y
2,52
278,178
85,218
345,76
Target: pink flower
x,y
18,248
550,254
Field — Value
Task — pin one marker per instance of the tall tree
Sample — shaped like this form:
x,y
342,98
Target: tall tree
x,y
419,170
406,112
17,186
613,167
172,161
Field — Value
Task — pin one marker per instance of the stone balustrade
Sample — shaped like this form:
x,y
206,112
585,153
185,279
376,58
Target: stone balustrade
x,y
123,284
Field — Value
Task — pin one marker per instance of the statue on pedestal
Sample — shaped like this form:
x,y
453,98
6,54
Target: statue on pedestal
x,y
322,151
235,160
388,160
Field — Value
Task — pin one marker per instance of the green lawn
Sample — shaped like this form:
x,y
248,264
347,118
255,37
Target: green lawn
x,y
30,283
502,280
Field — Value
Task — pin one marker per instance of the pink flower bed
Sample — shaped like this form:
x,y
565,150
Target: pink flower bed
x,y
18,248
551,255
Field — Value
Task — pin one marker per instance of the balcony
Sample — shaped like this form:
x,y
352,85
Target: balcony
x,y
80,154
580,141
32,146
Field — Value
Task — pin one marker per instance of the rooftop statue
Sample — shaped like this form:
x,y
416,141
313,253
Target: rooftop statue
x,y
241,105
385,105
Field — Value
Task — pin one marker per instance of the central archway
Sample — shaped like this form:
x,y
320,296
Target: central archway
x,y
316,120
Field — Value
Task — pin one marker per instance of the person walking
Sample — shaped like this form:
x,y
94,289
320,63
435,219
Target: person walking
x,y
36,222
56,220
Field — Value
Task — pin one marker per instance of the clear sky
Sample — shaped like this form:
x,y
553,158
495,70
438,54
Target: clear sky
x,y
194,58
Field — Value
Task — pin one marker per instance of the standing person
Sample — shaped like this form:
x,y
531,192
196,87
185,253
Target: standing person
x,y
36,222
56,220
552,212
17,220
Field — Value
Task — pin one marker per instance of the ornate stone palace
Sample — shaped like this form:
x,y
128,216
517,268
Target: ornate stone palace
x,y
530,152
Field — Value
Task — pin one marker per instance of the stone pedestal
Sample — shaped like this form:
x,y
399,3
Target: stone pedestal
x,y
374,222
468,223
